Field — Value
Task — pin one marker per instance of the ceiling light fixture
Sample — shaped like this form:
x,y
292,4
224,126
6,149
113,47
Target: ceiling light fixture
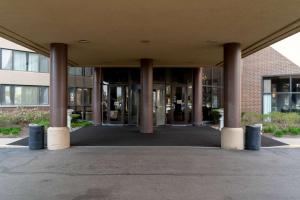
x,y
83,41
145,41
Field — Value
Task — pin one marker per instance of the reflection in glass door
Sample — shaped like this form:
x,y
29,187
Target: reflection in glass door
x,y
159,108
116,109
179,104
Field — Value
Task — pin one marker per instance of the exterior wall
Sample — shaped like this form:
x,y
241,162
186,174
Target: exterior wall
x,y
13,108
24,78
266,62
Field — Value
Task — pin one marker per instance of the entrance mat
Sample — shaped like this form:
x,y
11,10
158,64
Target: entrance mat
x,y
162,136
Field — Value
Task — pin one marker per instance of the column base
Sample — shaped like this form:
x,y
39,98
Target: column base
x,y
148,131
198,124
232,138
58,138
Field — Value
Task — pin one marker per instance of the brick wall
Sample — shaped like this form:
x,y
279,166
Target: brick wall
x,y
266,62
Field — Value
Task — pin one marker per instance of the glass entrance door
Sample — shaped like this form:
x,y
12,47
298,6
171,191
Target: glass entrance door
x,y
159,108
179,104
116,107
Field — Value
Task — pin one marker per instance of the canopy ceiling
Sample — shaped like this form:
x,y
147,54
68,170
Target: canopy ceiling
x,y
173,33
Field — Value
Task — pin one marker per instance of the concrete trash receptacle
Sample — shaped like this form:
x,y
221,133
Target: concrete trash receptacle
x,y
36,137
253,137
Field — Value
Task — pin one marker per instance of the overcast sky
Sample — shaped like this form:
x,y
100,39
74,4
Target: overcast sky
x,y
290,48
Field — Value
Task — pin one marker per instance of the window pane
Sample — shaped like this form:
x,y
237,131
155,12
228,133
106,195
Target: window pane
x,y
75,71
295,107
33,62
6,59
296,84
26,95
29,96
217,76
44,96
216,98
71,96
87,97
6,95
281,84
281,102
18,95
267,86
44,64
20,60
267,103
79,97
207,76
88,71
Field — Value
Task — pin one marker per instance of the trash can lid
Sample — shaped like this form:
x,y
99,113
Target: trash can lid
x,y
34,125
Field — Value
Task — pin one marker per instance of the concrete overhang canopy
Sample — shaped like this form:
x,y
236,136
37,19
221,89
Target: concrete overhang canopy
x,y
173,33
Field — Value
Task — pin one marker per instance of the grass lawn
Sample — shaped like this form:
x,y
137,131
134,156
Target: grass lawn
x,y
10,131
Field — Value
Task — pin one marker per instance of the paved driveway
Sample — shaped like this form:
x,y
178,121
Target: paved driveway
x,y
163,136
149,173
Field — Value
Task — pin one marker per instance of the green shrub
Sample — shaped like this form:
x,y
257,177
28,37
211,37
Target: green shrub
x,y
285,130
249,118
10,131
23,116
82,123
215,115
42,122
269,128
75,117
283,120
294,130
278,133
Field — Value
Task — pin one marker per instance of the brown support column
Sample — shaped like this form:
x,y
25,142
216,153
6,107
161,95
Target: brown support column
x,y
146,118
232,85
96,101
232,133
197,101
58,134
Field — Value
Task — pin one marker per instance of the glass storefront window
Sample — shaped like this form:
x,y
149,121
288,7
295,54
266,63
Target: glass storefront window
x,y
296,84
104,103
6,59
87,97
79,97
72,97
295,103
33,62
217,79
115,75
20,61
280,84
207,76
281,102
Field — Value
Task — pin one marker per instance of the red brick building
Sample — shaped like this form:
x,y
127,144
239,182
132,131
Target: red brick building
x,y
266,62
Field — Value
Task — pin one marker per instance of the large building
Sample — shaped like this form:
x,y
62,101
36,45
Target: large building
x,y
162,48
260,68
120,94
